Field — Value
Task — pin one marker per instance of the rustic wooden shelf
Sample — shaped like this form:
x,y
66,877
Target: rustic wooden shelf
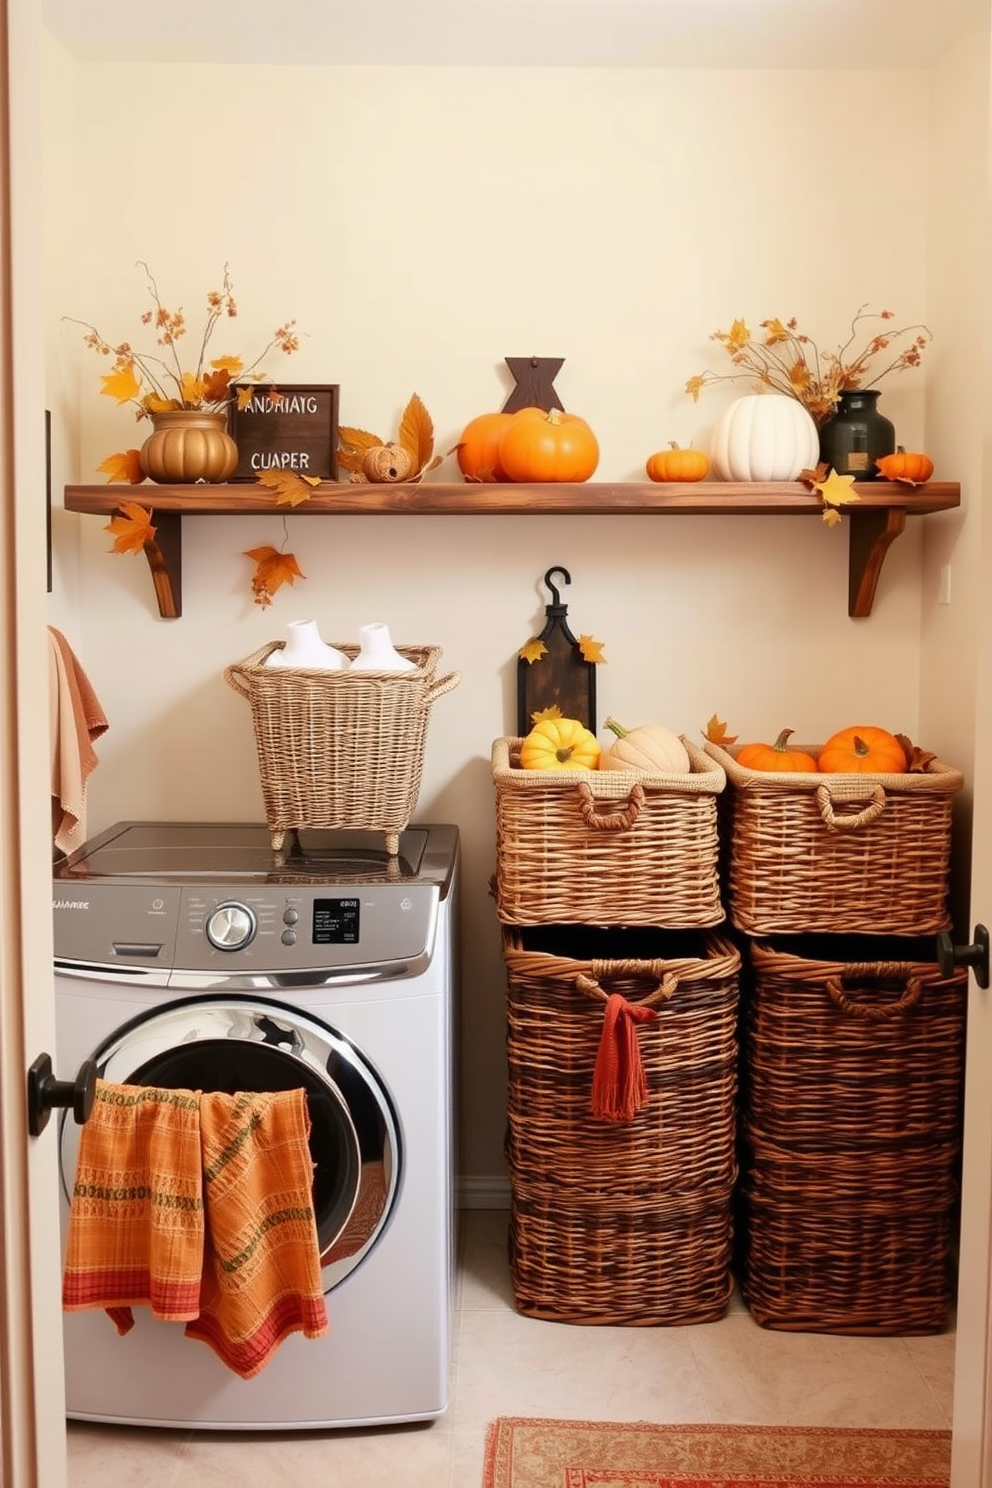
x,y
874,522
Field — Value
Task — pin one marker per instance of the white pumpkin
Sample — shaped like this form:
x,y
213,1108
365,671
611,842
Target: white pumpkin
x,y
764,437
650,747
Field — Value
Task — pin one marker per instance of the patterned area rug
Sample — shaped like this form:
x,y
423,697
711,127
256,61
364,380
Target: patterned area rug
x,y
531,1453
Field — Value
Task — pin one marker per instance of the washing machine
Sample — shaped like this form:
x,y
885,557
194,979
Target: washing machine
x,y
193,955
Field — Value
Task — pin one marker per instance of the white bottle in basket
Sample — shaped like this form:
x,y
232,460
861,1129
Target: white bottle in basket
x,y
377,652
304,648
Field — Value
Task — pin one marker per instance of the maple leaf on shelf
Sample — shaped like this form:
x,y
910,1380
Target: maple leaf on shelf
x,y
553,711
124,468
360,442
836,490
818,473
716,732
533,651
290,487
272,570
591,649
133,529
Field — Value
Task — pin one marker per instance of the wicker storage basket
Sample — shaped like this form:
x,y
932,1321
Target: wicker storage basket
x,y
850,1134
340,749
621,1221
609,847
844,854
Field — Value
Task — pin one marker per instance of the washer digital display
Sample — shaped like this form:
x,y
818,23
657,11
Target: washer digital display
x,y
335,921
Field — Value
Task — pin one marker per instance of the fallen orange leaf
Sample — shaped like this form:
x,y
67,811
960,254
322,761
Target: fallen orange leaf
x,y
132,530
124,468
290,487
272,570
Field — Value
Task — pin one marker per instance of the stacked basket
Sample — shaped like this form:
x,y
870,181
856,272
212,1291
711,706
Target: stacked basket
x,y
622,1007
852,1043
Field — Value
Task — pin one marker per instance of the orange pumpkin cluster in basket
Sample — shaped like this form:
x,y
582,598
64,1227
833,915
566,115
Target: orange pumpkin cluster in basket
x,y
861,749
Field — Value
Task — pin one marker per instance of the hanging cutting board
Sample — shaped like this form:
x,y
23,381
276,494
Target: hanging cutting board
x,y
551,670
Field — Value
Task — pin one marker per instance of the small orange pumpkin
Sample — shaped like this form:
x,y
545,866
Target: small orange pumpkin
x,y
777,756
675,464
543,445
914,469
862,749
477,451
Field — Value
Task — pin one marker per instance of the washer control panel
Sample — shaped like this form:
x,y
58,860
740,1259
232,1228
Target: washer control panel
x,y
241,929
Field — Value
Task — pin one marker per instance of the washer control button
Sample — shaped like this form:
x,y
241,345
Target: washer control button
x,y
231,926
288,937
291,917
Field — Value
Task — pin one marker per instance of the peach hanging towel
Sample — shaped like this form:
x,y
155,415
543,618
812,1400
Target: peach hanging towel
x,y
76,718
200,1206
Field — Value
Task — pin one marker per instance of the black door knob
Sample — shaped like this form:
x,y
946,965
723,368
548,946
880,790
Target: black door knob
x,y
45,1093
976,955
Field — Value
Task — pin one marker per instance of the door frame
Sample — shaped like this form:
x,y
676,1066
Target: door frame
x,y
32,1401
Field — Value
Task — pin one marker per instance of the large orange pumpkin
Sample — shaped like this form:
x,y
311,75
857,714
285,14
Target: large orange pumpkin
x,y
862,749
777,756
542,445
477,451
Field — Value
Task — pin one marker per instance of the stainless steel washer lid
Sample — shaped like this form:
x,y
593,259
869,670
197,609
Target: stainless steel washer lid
x,y
202,852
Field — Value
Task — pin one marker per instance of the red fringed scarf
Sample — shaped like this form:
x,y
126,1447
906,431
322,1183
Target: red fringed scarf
x,y
619,1084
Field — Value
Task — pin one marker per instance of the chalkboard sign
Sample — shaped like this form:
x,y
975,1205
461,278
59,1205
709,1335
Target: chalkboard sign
x,y
287,428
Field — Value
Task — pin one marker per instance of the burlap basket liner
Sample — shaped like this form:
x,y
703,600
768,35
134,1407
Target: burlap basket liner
x,y
340,750
606,847
838,853
850,1134
621,1221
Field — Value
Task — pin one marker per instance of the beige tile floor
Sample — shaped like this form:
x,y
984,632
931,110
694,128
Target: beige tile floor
x,y
504,1364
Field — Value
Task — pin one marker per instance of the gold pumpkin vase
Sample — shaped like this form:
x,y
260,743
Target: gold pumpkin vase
x,y
188,445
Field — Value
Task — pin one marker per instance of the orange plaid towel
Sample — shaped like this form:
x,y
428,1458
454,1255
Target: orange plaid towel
x,y
199,1205
261,1272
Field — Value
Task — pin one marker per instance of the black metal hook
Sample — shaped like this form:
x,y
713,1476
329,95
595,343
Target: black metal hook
x,y
555,596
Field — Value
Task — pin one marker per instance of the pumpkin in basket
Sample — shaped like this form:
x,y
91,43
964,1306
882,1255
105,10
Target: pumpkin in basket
x,y
650,747
777,756
863,750
560,744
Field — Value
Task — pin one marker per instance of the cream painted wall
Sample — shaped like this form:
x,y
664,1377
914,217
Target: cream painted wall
x,y
421,225
960,241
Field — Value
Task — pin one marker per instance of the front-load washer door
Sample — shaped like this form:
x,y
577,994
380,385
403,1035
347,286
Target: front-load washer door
x,y
240,1043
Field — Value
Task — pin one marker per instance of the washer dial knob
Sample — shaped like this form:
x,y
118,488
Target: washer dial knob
x,y
231,926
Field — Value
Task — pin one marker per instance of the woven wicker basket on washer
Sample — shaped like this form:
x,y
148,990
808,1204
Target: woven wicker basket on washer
x,y
851,1134
606,847
340,749
850,854
623,1219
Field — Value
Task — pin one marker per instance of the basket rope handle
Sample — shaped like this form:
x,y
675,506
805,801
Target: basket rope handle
x,y
441,686
873,1011
871,812
611,821
233,677
591,985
